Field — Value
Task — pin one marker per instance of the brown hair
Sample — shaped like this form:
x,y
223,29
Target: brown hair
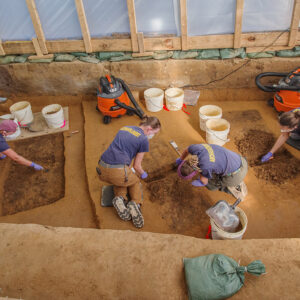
x,y
153,122
186,169
290,119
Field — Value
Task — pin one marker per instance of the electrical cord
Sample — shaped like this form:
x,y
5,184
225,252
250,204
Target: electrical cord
x,y
228,74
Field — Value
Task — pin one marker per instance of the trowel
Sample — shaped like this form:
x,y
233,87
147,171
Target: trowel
x,y
224,215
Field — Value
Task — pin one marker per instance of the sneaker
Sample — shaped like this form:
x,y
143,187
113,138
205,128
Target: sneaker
x,y
239,191
136,214
122,210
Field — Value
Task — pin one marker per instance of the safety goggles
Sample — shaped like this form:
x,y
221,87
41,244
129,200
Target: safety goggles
x,y
287,130
190,176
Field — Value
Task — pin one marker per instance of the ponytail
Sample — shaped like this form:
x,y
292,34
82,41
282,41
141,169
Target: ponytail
x,y
290,119
153,122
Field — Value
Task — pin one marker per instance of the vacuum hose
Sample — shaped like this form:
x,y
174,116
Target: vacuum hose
x,y
138,111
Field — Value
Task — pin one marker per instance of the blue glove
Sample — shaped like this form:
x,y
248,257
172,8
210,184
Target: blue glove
x,y
2,156
144,175
266,157
178,161
36,166
197,183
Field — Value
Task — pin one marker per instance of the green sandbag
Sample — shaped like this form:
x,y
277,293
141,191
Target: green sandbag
x,y
64,57
216,276
4,60
89,59
121,58
209,54
160,55
259,55
41,60
22,58
78,54
287,53
232,53
184,54
142,57
108,55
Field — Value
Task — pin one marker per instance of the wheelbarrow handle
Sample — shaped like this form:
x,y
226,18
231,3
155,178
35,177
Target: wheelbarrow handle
x,y
236,203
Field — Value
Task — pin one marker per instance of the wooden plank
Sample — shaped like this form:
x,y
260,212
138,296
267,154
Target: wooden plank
x,y
210,41
294,24
2,52
183,25
264,39
37,25
142,54
37,48
133,27
238,23
272,48
84,26
140,37
156,44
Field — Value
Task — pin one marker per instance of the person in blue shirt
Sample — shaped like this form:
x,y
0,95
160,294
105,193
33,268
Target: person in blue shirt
x,y
130,143
8,127
289,128
214,167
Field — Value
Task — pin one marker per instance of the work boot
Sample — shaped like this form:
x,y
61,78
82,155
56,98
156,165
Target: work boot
x,y
136,214
239,191
122,210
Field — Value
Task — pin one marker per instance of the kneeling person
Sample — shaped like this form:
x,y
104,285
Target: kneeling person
x,y
216,168
131,142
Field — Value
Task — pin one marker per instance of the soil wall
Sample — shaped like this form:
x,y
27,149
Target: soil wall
x,y
40,262
77,78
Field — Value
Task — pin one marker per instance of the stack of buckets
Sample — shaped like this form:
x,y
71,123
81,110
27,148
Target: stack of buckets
x,y
154,98
211,121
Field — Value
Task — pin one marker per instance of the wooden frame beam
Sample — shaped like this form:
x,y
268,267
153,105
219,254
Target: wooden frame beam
x,y
84,26
183,25
238,23
140,37
133,27
294,24
37,25
2,52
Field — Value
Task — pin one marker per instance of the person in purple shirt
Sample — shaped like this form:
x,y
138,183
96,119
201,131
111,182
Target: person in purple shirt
x,y
214,167
8,127
289,128
130,144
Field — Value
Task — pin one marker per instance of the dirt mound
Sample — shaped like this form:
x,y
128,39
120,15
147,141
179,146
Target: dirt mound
x,y
242,115
255,144
25,188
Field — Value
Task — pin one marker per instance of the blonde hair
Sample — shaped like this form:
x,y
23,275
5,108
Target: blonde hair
x,y
290,119
153,122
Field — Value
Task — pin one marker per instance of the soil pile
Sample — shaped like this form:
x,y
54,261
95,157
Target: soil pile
x,y
25,188
255,144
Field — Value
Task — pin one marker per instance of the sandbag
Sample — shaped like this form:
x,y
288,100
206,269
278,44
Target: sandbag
x,y
22,58
64,57
89,59
121,58
108,55
160,55
288,53
78,54
232,53
216,276
209,54
260,55
185,54
4,60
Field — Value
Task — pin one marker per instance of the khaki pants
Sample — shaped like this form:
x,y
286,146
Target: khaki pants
x,y
117,177
219,182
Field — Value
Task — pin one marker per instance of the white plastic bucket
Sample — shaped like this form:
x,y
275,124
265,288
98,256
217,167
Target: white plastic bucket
x,y
54,116
208,112
22,111
219,234
217,131
154,99
174,98
18,131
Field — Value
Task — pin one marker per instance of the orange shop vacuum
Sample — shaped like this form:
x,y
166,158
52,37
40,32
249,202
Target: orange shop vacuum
x,y
287,91
114,98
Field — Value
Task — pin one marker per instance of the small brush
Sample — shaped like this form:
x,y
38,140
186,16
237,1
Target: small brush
x,y
175,147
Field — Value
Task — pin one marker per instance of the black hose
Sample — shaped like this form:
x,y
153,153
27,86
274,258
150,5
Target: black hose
x,y
138,111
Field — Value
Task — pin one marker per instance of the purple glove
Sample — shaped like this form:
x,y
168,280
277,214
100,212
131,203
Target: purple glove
x,y
178,161
144,175
36,166
2,156
266,157
197,183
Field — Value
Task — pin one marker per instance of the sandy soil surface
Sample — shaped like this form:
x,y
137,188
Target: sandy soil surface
x,y
110,264
173,206
74,209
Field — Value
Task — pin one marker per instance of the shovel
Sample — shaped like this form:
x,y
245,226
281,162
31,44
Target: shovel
x,y
224,215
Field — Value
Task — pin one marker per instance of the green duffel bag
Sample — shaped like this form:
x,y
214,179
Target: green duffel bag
x,y
216,276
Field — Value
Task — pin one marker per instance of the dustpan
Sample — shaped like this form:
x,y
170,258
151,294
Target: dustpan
x,y
224,215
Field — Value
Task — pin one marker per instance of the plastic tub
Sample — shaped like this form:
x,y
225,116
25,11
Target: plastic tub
x,y
218,234
22,112
154,98
18,131
54,116
217,131
208,112
174,98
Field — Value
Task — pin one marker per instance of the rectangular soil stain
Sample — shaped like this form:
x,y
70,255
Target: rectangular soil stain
x,y
25,188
